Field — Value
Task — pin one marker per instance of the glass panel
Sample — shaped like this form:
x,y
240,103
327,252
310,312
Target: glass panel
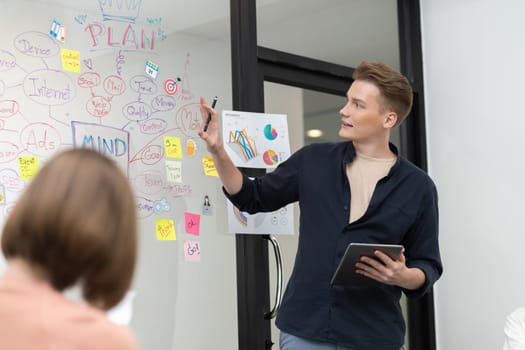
x,y
112,95
282,99
321,113
345,32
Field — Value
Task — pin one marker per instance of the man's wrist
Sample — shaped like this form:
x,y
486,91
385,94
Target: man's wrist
x,y
413,278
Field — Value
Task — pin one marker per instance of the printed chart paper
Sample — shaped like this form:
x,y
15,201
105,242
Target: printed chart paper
x,y
279,222
255,140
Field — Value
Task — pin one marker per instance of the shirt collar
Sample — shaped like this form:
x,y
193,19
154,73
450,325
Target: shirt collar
x,y
350,155
350,151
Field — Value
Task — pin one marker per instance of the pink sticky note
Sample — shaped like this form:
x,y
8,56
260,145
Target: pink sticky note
x,y
192,251
192,222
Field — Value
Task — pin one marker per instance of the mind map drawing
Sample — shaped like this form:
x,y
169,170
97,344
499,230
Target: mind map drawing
x,y
110,105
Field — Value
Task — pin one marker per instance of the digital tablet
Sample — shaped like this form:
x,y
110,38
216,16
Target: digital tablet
x,y
345,273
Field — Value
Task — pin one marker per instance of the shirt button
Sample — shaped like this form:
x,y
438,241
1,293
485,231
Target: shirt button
x,y
346,207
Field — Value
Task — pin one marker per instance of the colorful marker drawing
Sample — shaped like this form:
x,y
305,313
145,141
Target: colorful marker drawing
x,y
246,146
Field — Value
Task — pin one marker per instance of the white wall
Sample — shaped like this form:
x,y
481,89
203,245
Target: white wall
x,y
474,65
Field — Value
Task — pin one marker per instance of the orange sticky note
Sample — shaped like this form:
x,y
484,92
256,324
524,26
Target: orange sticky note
x,y
191,147
165,230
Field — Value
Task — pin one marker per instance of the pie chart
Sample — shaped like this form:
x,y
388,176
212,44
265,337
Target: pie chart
x,y
270,157
269,132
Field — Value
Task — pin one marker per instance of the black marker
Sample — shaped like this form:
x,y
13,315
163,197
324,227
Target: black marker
x,y
209,114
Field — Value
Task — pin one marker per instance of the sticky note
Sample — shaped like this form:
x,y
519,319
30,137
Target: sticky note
x,y
173,171
192,222
70,60
192,251
28,167
209,166
172,147
191,147
165,229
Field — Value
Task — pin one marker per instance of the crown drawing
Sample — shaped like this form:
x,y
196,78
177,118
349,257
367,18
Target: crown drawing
x,y
120,10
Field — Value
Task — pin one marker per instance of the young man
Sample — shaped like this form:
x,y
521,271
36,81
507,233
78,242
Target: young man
x,y
359,190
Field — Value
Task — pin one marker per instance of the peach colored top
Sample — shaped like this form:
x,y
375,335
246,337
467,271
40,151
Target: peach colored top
x,y
34,316
363,174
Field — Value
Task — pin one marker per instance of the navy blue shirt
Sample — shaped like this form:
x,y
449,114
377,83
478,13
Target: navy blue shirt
x,y
403,210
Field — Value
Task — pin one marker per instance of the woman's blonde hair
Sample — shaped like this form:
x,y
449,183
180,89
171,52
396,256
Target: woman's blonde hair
x,y
77,222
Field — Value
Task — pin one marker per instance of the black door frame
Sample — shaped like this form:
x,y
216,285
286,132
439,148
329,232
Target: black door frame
x,y
251,66
421,315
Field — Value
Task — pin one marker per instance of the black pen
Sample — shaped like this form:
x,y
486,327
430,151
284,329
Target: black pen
x,y
209,114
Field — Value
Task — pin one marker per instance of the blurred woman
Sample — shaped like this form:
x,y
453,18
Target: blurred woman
x,y
74,224
515,330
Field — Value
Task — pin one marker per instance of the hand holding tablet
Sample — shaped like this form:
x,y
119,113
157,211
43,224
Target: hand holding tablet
x,y
345,274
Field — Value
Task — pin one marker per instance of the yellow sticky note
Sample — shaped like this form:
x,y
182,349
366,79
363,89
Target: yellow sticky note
x,y
70,60
28,167
165,230
209,166
172,147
